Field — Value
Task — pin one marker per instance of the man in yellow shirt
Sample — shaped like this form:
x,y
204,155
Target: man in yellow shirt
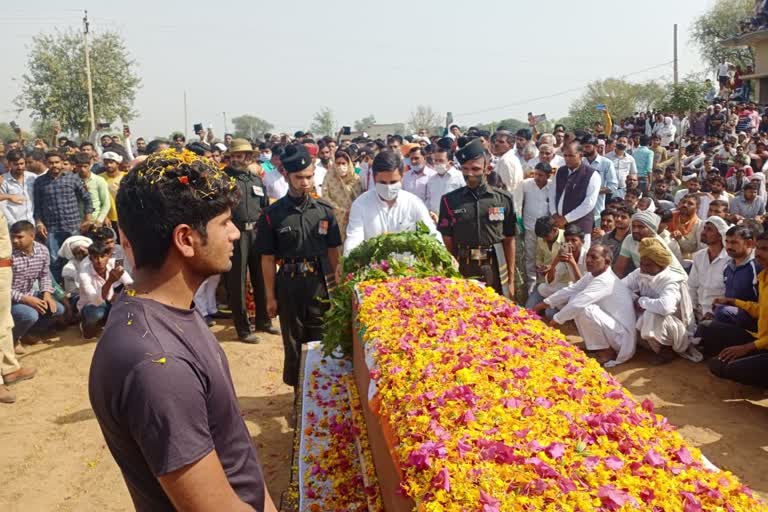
x,y
741,355
112,175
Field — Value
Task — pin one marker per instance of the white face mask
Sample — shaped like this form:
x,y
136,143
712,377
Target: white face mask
x,y
265,157
441,169
363,166
388,192
417,168
343,169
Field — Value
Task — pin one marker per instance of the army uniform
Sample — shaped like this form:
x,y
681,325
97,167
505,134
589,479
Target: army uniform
x,y
478,220
298,232
245,259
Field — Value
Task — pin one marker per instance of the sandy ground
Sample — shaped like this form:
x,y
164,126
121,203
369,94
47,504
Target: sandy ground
x,y
54,458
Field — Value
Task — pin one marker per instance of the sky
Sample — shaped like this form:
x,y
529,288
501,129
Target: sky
x,y
284,61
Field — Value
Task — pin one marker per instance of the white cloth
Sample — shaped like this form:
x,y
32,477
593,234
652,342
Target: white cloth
x,y
564,276
275,184
510,171
370,217
667,314
205,296
416,182
438,186
320,173
706,280
91,284
587,204
26,210
624,166
535,202
603,310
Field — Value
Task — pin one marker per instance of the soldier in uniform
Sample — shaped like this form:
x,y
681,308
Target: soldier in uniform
x,y
245,215
300,234
478,223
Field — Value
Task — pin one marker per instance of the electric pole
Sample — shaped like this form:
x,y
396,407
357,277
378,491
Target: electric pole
x,y
88,72
225,124
185,114
675,53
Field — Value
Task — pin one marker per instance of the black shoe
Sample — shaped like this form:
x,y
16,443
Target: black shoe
x,y
269,329
209,321
250,338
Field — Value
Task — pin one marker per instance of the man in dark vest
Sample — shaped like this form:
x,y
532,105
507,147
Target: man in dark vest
x,y
573,198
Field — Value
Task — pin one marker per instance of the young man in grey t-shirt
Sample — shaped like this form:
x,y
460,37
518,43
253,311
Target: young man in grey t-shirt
x,y
159,383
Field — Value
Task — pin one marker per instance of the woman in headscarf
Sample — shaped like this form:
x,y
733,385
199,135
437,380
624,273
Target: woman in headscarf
x,y
759,179
341,187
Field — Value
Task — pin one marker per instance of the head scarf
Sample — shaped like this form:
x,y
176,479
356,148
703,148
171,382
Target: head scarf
x,y
759,176
650,219
341,192
65,251
655,251
720,225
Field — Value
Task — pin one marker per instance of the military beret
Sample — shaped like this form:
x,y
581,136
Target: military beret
x,y
472,150
295,158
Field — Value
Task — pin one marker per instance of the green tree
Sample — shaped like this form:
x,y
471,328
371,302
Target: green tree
x,y
721,22
323,122
510,124
424,118
55,85
620,97
250,127
364,123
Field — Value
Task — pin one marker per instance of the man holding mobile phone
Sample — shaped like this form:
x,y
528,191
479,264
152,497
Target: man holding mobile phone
x,y
99,276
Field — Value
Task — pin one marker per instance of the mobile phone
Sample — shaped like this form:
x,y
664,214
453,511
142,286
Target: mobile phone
x,y
14,125
120,262
103,126
346,130
600,107
198,127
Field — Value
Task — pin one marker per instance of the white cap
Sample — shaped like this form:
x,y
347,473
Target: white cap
x,y
111,155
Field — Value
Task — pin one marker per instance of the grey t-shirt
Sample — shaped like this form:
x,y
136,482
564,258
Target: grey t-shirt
x,y
163,395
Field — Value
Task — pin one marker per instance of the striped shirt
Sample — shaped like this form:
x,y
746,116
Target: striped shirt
x,y
28,269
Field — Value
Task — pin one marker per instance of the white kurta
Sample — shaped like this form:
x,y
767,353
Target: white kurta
x,y
370,217
667,313
604,313
510,170
438,186
706,280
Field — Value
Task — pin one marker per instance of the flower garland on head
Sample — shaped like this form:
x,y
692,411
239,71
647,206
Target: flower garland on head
x,y
201,174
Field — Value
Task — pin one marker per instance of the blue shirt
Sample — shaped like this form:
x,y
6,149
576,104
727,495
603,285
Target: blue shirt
x,y
24,211
643,161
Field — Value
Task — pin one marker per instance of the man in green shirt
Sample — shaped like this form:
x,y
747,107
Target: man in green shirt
x,y
97,188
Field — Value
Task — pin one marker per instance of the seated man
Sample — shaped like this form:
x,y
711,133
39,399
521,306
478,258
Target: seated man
x,y
75,251
98,277
644,225
32,299
741,273
741,355
664,312
567,266
549,240
705,281
748,204
601,306
621,219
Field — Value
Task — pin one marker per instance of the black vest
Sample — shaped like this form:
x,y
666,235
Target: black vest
x,y
575,189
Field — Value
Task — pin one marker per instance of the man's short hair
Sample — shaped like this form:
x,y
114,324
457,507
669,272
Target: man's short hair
x,y
22,226
644,140
86,143
606,251
573,230
623,208
14,155
544,226
53,154
98,249
387,160
749,186
719,202
717,179
165,191
742,232
82,158
544,167
101,234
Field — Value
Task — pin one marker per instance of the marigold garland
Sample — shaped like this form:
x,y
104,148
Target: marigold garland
x,y
494,411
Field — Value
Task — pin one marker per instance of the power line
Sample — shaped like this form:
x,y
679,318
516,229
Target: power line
x,y
554,95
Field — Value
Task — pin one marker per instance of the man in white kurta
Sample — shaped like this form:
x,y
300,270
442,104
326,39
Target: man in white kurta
x,y
663,305
372,216
602,308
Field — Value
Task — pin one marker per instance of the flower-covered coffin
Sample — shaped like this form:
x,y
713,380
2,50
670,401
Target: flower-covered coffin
x,y
473,404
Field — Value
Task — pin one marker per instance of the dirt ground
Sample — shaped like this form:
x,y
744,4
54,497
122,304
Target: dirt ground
x,y
54,458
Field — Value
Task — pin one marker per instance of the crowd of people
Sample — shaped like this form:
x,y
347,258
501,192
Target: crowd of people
x,y
648,231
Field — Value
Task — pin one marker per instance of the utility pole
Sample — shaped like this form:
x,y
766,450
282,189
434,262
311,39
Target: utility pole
x,y
225,124
185,114
88,72
675,53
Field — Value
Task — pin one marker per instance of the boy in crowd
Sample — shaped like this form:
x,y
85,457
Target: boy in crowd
x,y
32,288
535,206
98,278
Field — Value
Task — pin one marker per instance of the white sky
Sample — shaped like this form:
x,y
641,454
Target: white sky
x,y
283,61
